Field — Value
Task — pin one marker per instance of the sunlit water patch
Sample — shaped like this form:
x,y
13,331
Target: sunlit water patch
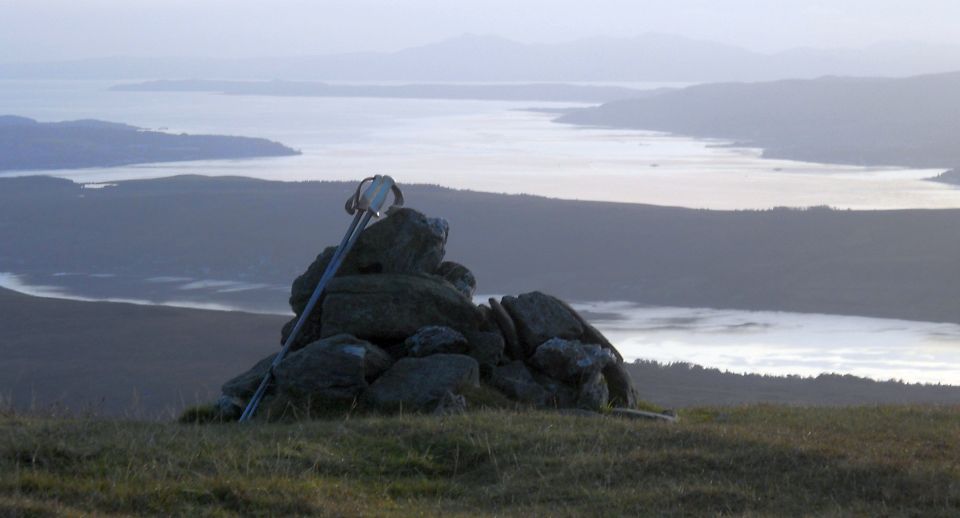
x,y
775,343
182,292
781,343
481,145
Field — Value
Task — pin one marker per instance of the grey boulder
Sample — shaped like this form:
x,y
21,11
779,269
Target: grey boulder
x,y
620,385
242,386
451,404
486,348
593,394
229,408
559,394
338,368
406,241
309,333
539,317
570,361
459,276
516,382
419,384
391,307
513,348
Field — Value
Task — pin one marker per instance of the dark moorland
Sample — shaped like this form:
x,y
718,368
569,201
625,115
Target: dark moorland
x,y
911,122
121,359
897,264
27,144
951,177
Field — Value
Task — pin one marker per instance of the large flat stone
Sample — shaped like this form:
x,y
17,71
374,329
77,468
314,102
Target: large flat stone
x,y
336,368
391,307
539,317
419,384
571,361
406,241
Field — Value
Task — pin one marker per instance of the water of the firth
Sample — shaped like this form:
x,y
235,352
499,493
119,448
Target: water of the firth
x,y
499,147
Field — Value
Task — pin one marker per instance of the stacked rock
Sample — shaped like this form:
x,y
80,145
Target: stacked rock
x,y
397,328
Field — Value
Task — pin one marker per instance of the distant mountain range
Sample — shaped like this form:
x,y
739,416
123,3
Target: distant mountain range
x,y
26,144
547,92
913,122
650,57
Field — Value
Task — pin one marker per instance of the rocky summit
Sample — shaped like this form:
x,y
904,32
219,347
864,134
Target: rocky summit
x,y
397,330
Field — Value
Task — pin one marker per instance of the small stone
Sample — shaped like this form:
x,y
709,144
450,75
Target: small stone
x,y
593,393
570,361
244,385
591,335
451,404
435,340
620,384
486,348
488,323
459,276
308,334
516,382
559,394
513,347
229,408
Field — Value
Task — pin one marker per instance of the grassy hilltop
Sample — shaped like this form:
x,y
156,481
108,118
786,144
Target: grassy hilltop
x,y
761,461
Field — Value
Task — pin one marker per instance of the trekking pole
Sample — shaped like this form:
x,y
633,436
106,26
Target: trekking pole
x,y
363,206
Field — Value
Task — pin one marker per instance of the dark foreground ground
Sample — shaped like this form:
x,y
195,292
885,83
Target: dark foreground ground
x,y
121,359
753,461
150,362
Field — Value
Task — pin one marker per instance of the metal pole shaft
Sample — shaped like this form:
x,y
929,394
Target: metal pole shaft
x,y
380,188
331,268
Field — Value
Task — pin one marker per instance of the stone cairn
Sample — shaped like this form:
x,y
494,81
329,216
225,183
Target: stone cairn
x,y
397,329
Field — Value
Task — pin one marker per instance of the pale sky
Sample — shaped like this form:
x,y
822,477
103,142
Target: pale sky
x,y
67,29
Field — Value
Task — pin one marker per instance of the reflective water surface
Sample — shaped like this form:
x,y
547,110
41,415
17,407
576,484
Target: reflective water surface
x,y
481,145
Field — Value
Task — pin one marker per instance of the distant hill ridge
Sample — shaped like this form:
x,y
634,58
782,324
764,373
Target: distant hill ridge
x,y
647,57
505,92
912,122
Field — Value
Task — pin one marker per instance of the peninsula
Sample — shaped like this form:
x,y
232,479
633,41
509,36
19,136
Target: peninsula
x,y
26,144
907,122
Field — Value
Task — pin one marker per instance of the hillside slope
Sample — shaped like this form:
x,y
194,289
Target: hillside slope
x,y
116,359
897,264
913,122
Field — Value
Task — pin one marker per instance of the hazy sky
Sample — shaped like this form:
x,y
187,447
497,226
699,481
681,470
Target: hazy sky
x,y
56,29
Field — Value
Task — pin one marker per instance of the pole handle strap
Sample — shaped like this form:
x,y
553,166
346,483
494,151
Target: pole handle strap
x,y
361,200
